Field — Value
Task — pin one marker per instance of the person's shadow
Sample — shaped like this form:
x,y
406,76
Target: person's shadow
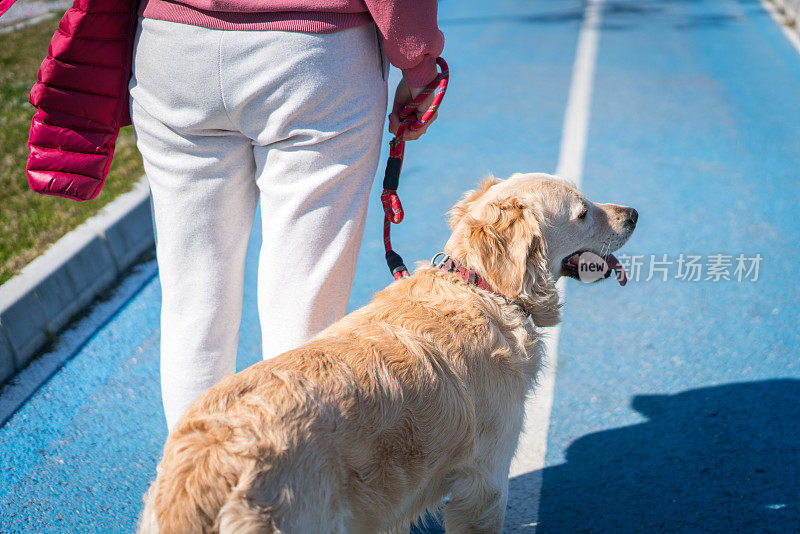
x,y
715,459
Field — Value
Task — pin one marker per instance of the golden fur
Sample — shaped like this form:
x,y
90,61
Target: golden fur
x,y
413,397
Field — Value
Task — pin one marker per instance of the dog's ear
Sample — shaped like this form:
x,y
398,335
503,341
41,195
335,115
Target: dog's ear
x,y
498,244
459,211
504,242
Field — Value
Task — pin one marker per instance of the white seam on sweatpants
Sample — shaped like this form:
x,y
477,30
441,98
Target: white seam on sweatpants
x,y
300,130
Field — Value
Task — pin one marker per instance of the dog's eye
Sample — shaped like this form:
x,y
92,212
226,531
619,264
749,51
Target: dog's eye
x,y
583,214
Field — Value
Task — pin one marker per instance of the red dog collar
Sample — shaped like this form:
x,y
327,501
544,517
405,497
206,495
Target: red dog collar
x,y
450,264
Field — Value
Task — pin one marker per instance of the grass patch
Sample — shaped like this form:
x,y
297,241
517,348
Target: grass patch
x,y
30,222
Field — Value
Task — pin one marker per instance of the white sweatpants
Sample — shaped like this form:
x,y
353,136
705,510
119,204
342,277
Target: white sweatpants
x,y
223,119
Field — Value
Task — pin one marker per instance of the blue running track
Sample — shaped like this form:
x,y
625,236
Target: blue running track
x,y
677,402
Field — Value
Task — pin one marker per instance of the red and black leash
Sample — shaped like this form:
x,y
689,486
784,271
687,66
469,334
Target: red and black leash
x,y
392,208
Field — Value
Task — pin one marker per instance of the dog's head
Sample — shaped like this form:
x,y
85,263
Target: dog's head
x,y
523,233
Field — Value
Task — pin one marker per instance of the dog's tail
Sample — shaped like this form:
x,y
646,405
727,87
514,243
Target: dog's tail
x,y
240,516
196,478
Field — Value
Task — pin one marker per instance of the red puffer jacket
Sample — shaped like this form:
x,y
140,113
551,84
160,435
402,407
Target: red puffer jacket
x,y
82,96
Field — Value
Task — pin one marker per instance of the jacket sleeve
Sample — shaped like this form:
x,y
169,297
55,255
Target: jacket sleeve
x,y
5,5
82,99
412,40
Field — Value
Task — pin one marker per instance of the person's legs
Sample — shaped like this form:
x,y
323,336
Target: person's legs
x,y
212,111
316,158
201,174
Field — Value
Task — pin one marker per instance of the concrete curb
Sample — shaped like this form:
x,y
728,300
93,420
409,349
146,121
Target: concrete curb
x,y
41,300
27,12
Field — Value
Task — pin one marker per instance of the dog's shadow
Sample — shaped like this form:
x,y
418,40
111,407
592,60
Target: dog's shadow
x,y
716,459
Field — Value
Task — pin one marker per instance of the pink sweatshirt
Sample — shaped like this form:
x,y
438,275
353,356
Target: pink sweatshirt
x,y
412,39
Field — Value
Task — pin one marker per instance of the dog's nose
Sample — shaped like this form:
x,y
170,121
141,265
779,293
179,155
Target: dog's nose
x,y
633,216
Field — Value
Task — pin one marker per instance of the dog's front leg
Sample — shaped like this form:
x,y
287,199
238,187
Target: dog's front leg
x,y
477,504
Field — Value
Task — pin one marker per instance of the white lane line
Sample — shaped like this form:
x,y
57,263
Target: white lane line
x,y
787,21
530,455
576,117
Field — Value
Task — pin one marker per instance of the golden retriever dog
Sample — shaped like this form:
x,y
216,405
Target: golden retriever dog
x,y
416,396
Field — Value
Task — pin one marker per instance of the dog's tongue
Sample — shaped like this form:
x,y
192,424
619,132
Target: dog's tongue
x,y
614,264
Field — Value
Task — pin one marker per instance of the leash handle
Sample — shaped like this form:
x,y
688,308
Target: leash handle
x,y
408,116
392,208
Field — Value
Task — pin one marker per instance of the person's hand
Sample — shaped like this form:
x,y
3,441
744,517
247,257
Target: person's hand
x,y
404,95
